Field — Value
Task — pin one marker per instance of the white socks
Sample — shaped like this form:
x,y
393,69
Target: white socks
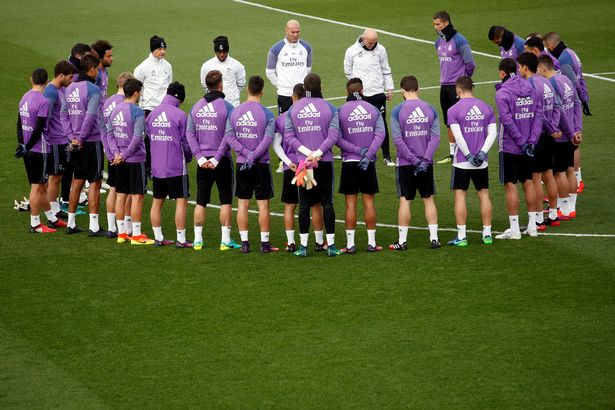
x,y
55,207
303,239
243,235
371,237
111,221
226,233
136,229
330,239
290,236
94,227
403,234
264,236
461,232
71,220
349,238
198,234
486,230
51,216
158,233
514,224
452,146
319,235
181,235
35,220
433,232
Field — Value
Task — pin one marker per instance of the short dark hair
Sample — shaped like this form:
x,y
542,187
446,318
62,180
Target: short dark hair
x,y
354,85
311,83
213,79
546,62
465,83
88,62
409,83
80,49
101,47
132,86
39,76
299,91
495,31
64,67
256,84
442,15
529,60
535,42
508,65
534,34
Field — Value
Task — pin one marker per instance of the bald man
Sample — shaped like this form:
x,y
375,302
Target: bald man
x,y
288,62
368,60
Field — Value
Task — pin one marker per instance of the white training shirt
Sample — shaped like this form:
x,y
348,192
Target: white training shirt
x,y
156,74
288,64
371,66
233,77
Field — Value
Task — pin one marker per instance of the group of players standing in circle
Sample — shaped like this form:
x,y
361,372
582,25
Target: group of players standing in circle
x,y
70,122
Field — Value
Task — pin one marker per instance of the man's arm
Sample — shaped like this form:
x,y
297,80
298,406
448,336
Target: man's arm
x,y
41,121
333,134
65,121
348,57
402,149
387,74
241,76
204,71
90,115
233,141
379,134
193,140
279,151
538,119
468,60
578,118
265,143
291,139
138,135
272,61
506,119
434,137
492,133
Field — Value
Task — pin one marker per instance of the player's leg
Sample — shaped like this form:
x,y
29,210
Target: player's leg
x,y
242,223
369,213
572,193
461,216
486,212
138,183
406,193
426,186
512,206
181,207
350,219
224,175
73,202
577,170
155,216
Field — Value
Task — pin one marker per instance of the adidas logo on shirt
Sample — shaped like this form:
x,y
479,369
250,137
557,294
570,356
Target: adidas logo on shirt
x,y
73,97
207,111
118,120
309,111
417,116
246,120
109,110
359,114
524,101
474,114
162,121
567,91
547,93
23,110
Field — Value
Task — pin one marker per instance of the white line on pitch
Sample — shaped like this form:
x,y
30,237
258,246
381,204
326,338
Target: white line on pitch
x,y
389,33
419,228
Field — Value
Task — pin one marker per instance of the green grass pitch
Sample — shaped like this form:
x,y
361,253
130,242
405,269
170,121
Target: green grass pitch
x,y
86,323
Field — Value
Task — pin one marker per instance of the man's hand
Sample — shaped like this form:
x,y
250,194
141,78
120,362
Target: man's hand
x,y
528,149
363,151
470,158
117,160
389,95
312,157
420,167
557,135
292,166
249,162
363,164
480,158
577,138
20,151
586,110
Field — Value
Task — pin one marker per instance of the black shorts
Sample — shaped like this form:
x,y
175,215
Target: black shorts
x,y
461,178
543,154
36,167
57,159
111,174
131,178
172,187
353,180
408,183
448,98
224,177
563,156
88,161
515,168
256,181
290,191
322,193
284,103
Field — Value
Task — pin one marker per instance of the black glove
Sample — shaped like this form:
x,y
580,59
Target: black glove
x,y
586,110
20,151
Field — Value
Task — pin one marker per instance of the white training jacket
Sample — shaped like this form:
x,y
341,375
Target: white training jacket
x,y
156,74
288,64
233,77
371,66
